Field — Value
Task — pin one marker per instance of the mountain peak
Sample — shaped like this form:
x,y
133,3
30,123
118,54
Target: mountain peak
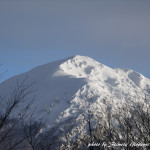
x,y
79,58
68,89
79,66
64,85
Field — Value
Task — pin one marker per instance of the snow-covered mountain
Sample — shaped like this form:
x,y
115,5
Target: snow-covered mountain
x,y
64,89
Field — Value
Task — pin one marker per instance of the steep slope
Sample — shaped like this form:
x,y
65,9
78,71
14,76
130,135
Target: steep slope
x,y
65,88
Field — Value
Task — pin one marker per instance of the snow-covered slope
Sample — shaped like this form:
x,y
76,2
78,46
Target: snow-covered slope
x,y
64,89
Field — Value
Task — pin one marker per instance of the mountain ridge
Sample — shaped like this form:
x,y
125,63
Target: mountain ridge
x,y
63,87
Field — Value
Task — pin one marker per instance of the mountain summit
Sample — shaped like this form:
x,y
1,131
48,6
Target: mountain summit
x,y
63,88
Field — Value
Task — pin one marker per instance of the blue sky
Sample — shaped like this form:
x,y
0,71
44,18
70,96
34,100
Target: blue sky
x,y
33,32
